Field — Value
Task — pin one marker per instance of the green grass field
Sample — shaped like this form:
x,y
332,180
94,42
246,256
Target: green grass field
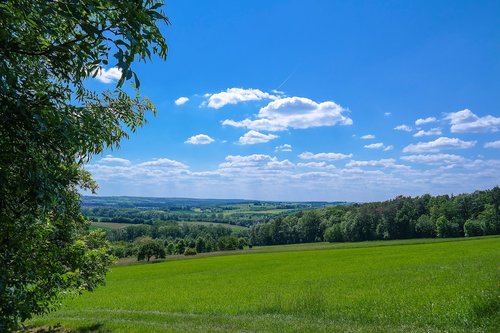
x,y
399,286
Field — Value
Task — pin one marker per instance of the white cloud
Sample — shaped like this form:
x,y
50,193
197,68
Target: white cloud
x,y
252,137
265,177
324,156
432,131
378,145
403,127
438,144
199,139
181,100
235,96
467,122
294,112
386,163
368,137
492,144
164,163
387,114
109,75
423,121
115,160
433,158
390,147
245,164
316,165
285,147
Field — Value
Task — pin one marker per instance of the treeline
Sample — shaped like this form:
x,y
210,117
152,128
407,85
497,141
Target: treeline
x,y
173,238
150,216
169,230
147,247
466,215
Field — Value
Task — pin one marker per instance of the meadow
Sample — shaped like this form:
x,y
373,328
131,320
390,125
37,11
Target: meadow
x,y
448,285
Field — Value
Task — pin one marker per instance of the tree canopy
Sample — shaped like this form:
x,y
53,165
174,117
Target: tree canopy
x,y
51,124
472,214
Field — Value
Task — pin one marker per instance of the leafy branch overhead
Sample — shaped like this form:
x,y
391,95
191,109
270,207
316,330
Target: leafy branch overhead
x,y
51,124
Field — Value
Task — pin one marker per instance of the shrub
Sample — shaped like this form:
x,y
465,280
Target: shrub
x,y
473,228
190,251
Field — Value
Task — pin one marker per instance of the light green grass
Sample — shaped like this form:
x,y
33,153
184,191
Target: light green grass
x,y
430,287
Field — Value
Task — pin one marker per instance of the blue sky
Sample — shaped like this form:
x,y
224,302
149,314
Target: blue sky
x,y
316,100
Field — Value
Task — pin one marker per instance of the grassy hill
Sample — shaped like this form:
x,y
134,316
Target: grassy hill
x,y
406,286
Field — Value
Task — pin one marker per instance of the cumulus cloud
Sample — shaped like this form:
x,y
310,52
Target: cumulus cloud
x,y
199,139
243,164
252,137
467,122
235,96
423,121
378,145
386,163
368,137
285,147
324,156
181,100
438,144
492,144
115,160
109,75
164,163
316,165
432,131
433,158
403,127
294,112
265,177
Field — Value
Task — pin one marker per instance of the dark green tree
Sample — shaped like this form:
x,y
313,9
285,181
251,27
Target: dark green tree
x,y
51,124
149,248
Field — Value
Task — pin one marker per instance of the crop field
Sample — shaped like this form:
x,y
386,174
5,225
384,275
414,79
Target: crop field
x,y
398,286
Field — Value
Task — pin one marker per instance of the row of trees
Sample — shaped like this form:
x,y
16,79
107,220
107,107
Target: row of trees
x,y
167,230
146,247
149,216
472,214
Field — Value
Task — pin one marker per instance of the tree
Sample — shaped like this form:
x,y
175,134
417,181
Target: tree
x,y
425,227
150,248
473,228
334,233
51,124
445,228
490,220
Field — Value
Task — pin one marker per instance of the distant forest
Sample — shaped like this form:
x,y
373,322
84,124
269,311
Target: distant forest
x,y
426,216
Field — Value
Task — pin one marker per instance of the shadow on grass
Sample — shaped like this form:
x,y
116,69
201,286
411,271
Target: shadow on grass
x,y
93,328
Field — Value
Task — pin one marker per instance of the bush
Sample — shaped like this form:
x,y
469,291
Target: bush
x,y
425,227
473,228
334,234
190,251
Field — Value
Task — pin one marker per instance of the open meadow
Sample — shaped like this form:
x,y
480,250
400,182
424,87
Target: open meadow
x,y
397,286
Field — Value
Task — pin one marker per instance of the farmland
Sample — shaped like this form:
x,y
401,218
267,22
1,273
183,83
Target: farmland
x,y
397,286
143,210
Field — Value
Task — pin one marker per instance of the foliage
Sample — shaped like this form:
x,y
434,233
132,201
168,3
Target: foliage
x,y
473,228
190,251
402,217
50,126
148,247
